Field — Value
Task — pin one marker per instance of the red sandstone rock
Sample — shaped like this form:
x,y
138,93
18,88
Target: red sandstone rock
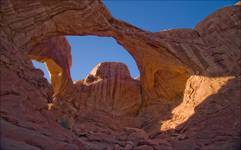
x,y
189,79
109,92
110,88
56,54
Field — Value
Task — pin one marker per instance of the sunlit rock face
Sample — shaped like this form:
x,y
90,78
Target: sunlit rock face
x,y
110,88
56,54
187,96
108,95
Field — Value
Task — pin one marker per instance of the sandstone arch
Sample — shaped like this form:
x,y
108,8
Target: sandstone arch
x,y
166,51
202,51
96,22
56,54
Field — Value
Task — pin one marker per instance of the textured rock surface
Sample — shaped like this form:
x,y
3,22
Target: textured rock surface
x,y
107,94
189,81
109,87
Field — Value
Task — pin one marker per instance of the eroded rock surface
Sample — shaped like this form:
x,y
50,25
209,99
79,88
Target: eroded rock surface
x,y
110,88
107,94
187,96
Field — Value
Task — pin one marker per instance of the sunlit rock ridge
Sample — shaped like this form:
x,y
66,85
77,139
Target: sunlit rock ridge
x,y
187,95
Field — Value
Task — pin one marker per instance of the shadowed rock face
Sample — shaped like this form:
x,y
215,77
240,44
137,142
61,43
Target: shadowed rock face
x,y
188,95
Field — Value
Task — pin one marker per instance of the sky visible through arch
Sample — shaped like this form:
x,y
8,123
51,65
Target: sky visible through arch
x,y
150,15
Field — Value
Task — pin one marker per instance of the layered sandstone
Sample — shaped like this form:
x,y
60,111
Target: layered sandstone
x,y
188,95
110,88
107,94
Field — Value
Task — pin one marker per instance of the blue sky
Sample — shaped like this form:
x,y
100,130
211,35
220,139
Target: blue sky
x,y
150,15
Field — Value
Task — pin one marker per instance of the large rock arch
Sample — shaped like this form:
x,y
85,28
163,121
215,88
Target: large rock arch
x,y
166,60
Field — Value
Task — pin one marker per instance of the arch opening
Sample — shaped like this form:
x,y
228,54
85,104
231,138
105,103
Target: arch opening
x,y
42,67
88,51
74,58
100,68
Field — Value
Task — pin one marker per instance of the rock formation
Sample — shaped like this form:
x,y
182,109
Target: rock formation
x,y
110,88
55,52
187,97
